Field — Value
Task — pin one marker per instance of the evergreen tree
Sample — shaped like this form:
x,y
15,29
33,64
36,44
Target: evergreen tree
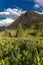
x,y
19,31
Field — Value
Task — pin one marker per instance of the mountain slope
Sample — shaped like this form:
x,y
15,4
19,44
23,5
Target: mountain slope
x,y
27,20
27,25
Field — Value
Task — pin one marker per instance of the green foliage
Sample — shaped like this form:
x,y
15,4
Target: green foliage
x,y
21,52
19,31
33,33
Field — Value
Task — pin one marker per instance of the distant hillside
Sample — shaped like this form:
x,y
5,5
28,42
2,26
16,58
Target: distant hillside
x,y
27,20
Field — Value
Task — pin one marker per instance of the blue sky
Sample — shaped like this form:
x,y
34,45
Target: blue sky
x,y
12,9
24,4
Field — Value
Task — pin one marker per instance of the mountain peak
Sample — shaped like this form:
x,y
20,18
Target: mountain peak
x,y
27,19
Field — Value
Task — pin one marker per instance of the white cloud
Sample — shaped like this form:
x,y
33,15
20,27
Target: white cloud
x,y
39,12
40,2
6,22
37,6
10,15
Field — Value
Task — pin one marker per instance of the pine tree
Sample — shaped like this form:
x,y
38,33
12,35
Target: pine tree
x,y
19,31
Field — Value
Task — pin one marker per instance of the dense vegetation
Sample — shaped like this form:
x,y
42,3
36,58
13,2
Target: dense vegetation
x,y
21,52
